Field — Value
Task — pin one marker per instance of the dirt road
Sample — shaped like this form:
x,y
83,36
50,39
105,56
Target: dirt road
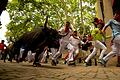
x,y
25,71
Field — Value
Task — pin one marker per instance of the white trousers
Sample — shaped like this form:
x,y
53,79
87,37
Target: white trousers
x,y
63,44
73,51
97,45
115,48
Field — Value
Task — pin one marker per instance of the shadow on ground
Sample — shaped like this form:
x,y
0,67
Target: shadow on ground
x,y
46,66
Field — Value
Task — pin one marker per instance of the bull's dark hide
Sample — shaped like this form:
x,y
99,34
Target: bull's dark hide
x,y
36,41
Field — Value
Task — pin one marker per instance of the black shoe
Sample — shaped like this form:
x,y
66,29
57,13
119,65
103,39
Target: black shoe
x,y
46,61
57,62
71,63
65,62
87,64
90,63
118,65
36,64
53,63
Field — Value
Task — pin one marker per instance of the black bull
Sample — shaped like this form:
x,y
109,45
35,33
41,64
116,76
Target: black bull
x,y
36,41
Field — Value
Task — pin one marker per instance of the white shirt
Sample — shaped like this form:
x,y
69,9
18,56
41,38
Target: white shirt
x,y
62,31
74,41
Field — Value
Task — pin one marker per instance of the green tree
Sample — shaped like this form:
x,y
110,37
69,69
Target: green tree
x,y
25,15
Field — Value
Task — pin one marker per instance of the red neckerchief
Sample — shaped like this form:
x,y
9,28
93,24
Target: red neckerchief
x,y
66,30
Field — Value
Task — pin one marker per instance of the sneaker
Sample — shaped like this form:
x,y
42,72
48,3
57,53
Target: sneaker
x,y
102,62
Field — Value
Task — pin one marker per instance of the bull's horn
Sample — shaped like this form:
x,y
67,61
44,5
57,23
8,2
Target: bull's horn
x,y
46,21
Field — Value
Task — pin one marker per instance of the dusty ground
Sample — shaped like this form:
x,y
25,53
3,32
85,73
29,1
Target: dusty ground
x,y
25,71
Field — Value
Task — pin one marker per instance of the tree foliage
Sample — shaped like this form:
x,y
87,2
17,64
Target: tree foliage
x,y
26,15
